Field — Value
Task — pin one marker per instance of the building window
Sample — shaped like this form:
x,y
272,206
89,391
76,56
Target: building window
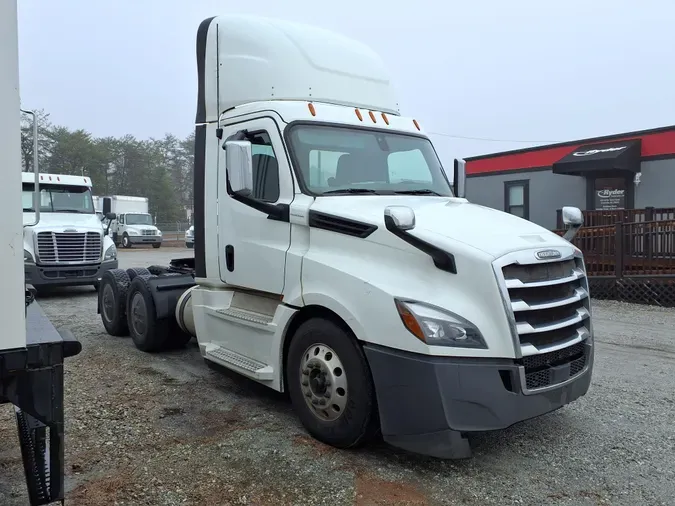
x,y
517,198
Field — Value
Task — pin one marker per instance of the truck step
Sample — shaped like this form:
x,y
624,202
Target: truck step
x,y
235,313
37,461
229,358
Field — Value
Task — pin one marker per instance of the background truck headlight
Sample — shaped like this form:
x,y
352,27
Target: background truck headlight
x,y
110,253
159,232
438,327
132,232
27,257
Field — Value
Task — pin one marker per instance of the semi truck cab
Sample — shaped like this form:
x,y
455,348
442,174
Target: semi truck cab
x,y
69,246
335,260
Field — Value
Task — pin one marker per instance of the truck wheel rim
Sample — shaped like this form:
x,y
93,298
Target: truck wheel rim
x,y
323,382
108,302
138,314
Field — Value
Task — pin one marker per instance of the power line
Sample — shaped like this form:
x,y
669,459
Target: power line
x,y
488,139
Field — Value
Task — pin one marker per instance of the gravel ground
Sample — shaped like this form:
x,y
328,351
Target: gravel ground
x,y
166,430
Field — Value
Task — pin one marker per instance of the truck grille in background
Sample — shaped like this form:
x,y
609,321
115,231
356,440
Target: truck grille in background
x,y
551,307
68,247
147,232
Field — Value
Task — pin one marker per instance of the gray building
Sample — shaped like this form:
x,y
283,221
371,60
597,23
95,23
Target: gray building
x,y
634,170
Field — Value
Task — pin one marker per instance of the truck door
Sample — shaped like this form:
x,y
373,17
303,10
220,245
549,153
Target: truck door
x,y
252,247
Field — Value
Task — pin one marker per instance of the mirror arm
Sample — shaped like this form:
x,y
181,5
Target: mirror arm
x,y
442,259
571,232
278,212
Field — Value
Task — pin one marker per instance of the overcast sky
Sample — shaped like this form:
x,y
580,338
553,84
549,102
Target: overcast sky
x,y
518,70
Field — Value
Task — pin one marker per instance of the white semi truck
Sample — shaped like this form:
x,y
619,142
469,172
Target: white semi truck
x,y
133,223
70,245
32,351
334,260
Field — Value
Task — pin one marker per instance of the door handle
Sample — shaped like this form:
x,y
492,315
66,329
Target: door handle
x,y
229,257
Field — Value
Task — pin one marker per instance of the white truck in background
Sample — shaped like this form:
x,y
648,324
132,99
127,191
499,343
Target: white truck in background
x,y
363,284
133,223
32,351
98,207
69,246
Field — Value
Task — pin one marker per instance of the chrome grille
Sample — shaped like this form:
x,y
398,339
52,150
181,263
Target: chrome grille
x,y
548,301
69,247
147,232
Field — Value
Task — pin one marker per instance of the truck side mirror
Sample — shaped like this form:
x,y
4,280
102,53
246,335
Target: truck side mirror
x,y
401,217
459,178
573,218
239,166
110,216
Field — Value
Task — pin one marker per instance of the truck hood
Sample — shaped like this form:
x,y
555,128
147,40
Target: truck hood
x,y
58,222
488,230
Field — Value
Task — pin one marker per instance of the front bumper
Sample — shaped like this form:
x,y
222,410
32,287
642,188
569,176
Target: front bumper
x,y
66,275
145,239
427,403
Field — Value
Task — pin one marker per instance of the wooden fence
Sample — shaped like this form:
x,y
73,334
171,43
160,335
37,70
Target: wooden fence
x,y
632,261
600,218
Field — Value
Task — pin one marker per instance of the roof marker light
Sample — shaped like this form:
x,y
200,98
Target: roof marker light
x,y
384,117
58,178
372,116
417,125
358,114
312,111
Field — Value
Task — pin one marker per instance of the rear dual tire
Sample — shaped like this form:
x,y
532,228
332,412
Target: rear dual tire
x,y
112,293
127,308
149,333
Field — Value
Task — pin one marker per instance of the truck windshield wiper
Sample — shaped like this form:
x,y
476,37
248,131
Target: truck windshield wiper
x,y
351,190
418,192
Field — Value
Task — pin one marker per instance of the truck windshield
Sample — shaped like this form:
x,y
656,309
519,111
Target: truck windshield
x,y
338,160
58,198
138,219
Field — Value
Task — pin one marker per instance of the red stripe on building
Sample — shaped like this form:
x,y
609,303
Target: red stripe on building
x,y
656,144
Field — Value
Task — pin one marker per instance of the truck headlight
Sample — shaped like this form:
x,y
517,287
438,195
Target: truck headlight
x,y
27,257
438,327
159,232
110,253
132,232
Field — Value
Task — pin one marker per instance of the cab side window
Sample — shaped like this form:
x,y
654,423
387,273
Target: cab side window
x,y
120,219
265,168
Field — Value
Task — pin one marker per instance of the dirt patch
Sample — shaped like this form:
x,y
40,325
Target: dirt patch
x,y
105,490
370,490
316,446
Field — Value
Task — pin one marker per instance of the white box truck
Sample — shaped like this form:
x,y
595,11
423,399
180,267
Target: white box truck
x,y
98,207
32,351
334,260
134,223
70,245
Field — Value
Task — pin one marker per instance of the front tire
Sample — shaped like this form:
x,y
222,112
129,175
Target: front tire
x,y
157,245
330,385
126,242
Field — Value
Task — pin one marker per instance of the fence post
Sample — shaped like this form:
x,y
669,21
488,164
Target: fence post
x,y
618,249
647,236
